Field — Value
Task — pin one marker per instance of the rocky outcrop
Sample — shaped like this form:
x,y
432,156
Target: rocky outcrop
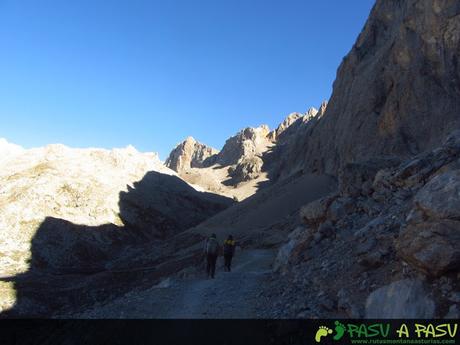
x,y
247,169
322,109
223,172
189,154
315,212
247,143
392,231
432,247
288,139
252,154
397,92
287,122
293,122
439,198
388,225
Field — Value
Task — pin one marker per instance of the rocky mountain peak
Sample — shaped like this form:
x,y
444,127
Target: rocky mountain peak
x,y
189,154
322,108
312,111
247,143
288,121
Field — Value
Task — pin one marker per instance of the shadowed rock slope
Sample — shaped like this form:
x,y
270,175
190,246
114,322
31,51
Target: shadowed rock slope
x,y
397,92
385,245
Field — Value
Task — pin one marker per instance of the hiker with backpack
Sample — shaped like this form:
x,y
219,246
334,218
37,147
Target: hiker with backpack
x,y
211,251
229,251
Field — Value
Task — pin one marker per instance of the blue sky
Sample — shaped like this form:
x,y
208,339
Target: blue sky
x,y
150,73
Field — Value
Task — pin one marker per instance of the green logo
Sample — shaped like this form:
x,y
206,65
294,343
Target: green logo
x,y
339,330
383,333
324,331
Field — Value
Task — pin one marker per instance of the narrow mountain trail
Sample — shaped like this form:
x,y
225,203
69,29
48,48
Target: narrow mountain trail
x,y
230,295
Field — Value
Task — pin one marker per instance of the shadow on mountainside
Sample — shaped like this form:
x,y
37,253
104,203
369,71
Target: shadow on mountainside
x,y
72,265
278,160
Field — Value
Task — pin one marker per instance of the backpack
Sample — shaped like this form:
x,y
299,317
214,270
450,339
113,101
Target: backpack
x,y
229,247
212,247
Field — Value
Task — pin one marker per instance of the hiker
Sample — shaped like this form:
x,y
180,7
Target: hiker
x,y
229,251
211,251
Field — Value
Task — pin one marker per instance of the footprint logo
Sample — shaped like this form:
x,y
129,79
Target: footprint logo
x,y
339,330
322,331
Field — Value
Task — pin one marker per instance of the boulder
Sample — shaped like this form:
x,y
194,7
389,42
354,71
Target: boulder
x,y
401,299
431,247
440,198
282,259
292,252
315,212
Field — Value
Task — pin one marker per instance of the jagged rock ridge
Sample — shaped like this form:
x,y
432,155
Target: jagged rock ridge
x,y
244,161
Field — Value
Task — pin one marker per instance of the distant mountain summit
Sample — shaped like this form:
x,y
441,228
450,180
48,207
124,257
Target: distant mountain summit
x,y
189,154
245,144
245,159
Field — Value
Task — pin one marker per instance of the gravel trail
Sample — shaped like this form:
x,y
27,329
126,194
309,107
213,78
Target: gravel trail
x,y
230,295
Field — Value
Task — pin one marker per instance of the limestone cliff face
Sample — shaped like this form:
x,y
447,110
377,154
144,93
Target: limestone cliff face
x,y
390,134
397,92
247,143
189,154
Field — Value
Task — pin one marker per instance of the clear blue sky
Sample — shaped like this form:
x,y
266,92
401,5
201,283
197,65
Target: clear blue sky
x,y
149,73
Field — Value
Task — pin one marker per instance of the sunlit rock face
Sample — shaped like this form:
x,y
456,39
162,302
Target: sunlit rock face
x,y
247,143
87,189
247,159
189,154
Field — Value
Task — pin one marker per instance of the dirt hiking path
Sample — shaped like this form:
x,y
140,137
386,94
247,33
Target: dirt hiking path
x,y
229,295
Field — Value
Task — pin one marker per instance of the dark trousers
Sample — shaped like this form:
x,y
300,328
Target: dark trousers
x,y
211,266
228,262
